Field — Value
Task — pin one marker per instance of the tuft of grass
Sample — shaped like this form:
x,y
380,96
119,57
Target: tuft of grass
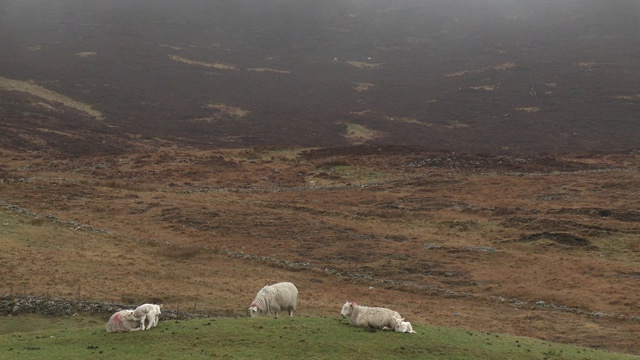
x,y
180,253
83,337
122,185
37,221
270,153
358,134
333,164
216,65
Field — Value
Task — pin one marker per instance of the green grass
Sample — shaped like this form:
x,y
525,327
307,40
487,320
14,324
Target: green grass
x,y
82,337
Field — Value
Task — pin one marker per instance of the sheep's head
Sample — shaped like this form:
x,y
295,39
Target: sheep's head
x,y
400,327
130,316
347,309
252,310
127,314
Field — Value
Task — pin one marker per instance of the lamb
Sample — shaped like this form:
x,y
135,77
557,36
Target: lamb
x,y
123,321
149,312
404,326
374,317
277,297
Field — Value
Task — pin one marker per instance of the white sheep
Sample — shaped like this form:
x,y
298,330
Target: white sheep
x,y
374,317
277,297
404,326
149,312
123,321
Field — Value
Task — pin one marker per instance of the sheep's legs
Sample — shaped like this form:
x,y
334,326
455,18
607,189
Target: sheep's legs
x,y
142,320
151,321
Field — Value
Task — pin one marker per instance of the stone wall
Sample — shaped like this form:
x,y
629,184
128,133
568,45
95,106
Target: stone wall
x,y
15,305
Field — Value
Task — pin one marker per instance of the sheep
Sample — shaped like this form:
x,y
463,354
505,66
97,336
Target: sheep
x,y
123,321
277,297
149,312
404,326
374,317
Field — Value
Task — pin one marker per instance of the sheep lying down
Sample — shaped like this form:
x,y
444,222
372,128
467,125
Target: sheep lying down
x,y
404,326
370,317
123,321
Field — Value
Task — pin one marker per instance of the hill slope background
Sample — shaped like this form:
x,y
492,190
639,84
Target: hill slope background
x,y
385,152
545,247
480,76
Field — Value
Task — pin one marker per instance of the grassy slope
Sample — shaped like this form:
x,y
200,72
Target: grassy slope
x,y
81,337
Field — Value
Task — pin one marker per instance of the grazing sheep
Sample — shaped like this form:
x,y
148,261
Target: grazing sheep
x,y
277,297
404,326
149,312
374,317
123,321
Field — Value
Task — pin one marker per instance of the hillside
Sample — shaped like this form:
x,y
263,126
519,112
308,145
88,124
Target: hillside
x,y
496,76
544,247
470,163
315,338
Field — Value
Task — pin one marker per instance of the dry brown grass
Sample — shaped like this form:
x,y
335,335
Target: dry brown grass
x,y
407,120
484,87
228,110
504,66
125,185
359,86
362,112
48,95
364,65
358,134
179,253
269,70
215,65
446,239
86,54
454,124
531,109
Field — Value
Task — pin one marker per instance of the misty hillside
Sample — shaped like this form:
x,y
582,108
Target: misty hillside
x,y
460,75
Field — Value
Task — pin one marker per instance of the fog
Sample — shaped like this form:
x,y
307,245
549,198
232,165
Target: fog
x,y
286,23
17,14
291,20
419,59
